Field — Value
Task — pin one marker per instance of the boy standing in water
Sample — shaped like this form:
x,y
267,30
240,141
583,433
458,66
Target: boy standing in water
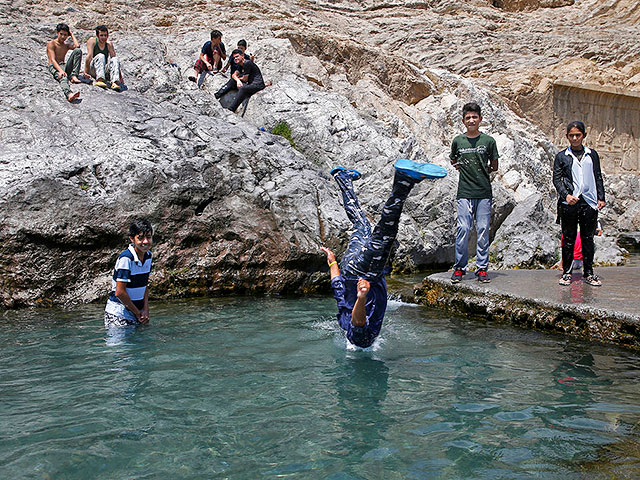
x,y
475,156
359,284
128,303
56,52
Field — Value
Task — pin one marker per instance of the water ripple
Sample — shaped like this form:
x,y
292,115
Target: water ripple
x,y
246,388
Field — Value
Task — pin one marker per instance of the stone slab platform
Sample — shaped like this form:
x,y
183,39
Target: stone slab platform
x,y
533,298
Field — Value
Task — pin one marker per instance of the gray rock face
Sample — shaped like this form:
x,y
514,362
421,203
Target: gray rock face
x,y
608,253
623,212
231,210
234,208
526,238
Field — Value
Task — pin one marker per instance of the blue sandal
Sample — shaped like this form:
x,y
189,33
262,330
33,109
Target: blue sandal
x,y
420,171
354,174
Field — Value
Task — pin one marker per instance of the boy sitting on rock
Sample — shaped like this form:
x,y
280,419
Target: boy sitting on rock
x,y
361,288
242,46
102,63
56,52
211,57
247,79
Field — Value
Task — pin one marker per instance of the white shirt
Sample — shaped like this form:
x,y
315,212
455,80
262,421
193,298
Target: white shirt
x,y
584,181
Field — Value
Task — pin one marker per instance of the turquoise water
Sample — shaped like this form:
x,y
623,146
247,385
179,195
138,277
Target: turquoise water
x,y
248,388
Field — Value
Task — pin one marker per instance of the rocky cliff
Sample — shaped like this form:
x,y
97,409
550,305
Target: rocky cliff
x,y
239,209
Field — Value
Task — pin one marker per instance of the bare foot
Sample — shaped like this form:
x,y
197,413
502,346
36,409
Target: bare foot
x,y
75,79
73,96
268,84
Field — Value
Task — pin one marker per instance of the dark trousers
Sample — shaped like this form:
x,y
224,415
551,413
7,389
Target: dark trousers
x,y
243,93
368,252
570,217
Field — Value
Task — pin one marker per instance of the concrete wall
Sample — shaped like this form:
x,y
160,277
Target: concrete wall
x,y
612,118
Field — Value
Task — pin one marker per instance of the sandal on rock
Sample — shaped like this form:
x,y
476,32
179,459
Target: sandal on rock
x,y
592,280
565,279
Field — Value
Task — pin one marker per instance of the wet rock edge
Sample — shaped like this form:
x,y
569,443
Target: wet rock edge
x,y
582,321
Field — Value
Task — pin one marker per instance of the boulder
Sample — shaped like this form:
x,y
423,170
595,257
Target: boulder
x,y
526,239
608,253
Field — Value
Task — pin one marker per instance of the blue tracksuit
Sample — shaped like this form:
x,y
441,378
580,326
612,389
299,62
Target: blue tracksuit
x,y
366,257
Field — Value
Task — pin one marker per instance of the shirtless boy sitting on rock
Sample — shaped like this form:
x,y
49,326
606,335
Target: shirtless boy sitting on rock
x,y
56,52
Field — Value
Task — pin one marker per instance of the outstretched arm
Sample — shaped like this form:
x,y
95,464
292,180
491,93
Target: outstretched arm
x,y
332,262
359,312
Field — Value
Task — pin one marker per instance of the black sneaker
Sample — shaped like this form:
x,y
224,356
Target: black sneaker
x,y
592,280
457,275
482,276
565,279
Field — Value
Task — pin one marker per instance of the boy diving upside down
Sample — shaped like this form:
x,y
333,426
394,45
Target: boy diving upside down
x,y
359,284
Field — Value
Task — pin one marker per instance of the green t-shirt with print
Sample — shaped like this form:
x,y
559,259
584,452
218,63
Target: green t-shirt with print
x,y
474,156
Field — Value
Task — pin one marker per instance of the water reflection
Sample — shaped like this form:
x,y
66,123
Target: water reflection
x,y
116,336
577,292
361,384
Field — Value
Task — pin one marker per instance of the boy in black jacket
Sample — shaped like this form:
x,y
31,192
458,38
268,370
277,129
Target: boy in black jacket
x,y
578,181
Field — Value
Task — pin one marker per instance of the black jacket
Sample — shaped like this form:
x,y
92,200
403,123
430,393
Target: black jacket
x,y
563,178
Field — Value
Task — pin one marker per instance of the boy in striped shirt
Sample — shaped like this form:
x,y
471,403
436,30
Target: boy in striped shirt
x,y
128,303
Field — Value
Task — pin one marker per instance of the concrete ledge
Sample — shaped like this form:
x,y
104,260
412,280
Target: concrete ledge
x,y
533,299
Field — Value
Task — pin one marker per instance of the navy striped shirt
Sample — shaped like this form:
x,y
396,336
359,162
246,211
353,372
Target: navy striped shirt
x,y
135,273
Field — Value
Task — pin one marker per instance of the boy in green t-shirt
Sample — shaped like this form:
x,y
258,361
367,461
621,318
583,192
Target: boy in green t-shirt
x,y
475,156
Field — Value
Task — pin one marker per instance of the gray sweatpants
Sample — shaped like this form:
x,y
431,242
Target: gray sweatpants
x,y
101,68
478,209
